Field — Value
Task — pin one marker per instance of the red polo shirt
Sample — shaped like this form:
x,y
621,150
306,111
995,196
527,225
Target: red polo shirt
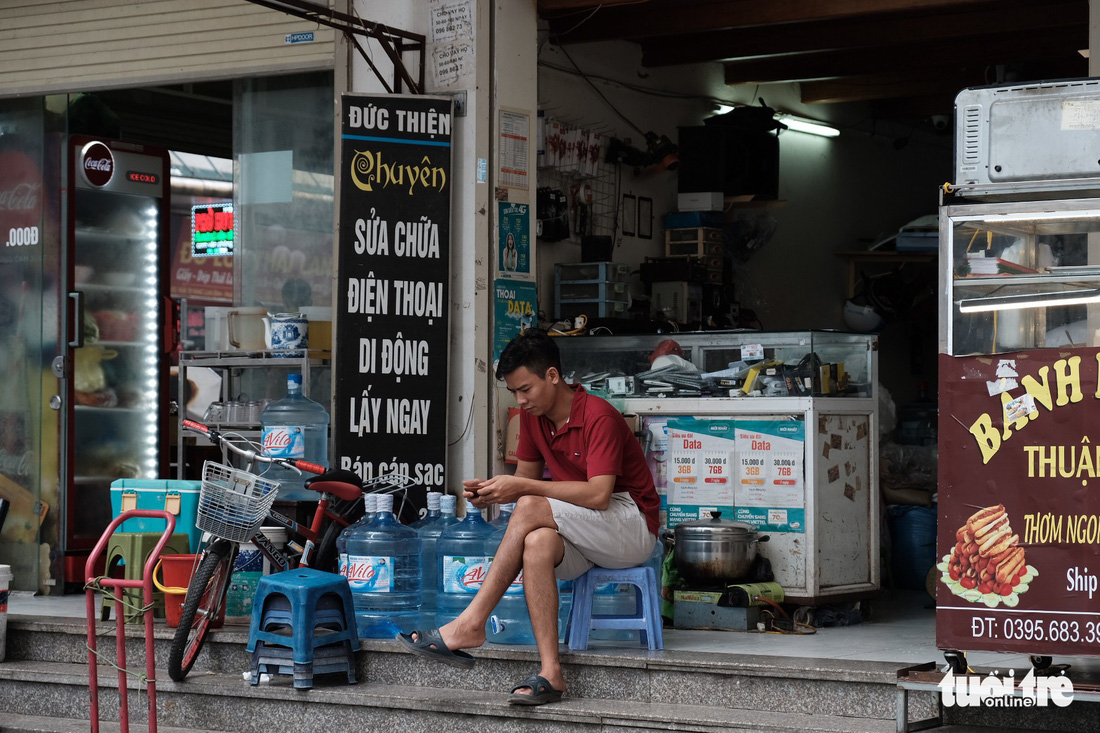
x,y
595,441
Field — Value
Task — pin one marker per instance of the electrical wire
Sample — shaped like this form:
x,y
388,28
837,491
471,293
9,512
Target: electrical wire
x,y
599,93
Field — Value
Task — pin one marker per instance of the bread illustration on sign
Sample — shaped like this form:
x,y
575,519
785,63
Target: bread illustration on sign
x,y
987,564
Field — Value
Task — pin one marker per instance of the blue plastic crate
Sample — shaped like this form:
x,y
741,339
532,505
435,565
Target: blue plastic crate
x,y
179,497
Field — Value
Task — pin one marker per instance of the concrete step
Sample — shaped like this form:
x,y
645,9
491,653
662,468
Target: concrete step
x,y
13,723
217,701
621,674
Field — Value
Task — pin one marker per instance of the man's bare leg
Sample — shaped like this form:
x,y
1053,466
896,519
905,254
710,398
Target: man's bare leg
x,y
542,551
468,630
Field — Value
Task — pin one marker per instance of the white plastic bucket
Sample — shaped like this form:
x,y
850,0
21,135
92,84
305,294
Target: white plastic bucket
x,y
5,581
250,566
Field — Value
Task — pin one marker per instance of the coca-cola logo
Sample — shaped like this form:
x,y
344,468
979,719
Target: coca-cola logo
x,y
20,191
21,197
97,164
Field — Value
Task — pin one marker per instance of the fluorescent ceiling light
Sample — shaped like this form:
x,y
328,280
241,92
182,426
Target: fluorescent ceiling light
x,y
1029,300
810,127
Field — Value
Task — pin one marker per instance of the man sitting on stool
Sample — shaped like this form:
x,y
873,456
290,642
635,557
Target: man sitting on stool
x,y
598,508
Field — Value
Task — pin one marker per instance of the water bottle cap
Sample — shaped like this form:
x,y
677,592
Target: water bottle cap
x,y
433,500
385,502
447,503
370,502
293,380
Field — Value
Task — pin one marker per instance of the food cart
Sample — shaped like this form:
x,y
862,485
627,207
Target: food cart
x,y
1018,544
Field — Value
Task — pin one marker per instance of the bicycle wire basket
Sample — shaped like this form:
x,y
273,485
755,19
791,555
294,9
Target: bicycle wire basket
x,y
233,503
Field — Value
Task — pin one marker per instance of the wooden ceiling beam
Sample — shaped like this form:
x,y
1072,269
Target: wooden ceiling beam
x,y
911,55
672,17
862,32
915,84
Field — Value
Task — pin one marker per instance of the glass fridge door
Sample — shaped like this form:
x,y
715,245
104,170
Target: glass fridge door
x,y
116,359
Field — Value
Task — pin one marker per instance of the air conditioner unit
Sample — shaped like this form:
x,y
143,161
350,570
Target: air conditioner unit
x,y
1028,137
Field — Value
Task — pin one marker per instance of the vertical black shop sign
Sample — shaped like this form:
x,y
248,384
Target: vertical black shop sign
x,y
392,323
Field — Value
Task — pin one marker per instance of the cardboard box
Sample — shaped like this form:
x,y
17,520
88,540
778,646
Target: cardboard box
x,y
701,201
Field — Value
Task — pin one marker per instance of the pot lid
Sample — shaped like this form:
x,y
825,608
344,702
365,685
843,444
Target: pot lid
x,y
716,527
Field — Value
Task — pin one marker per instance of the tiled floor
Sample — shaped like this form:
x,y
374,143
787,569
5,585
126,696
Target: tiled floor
x,y
902,628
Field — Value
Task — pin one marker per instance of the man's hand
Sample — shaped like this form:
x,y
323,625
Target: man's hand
x,y
500,489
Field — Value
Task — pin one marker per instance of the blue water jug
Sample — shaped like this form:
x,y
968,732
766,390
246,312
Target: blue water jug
x,y
432,513
462,564
381,560
429,562
294,427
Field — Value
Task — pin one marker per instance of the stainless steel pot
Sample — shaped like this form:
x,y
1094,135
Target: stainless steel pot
x,y
715,550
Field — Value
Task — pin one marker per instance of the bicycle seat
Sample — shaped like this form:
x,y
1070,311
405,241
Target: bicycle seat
x,y
339,482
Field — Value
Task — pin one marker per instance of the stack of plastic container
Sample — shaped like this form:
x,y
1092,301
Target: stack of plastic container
x,y
463,564
443,508
380,557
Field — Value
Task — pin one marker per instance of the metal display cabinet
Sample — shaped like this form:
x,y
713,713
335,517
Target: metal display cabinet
x,y
833,555
253,376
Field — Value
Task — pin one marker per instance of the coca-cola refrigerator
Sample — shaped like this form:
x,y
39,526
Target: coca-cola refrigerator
x,y
117,329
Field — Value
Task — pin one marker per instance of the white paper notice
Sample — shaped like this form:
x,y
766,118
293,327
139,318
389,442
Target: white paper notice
x,y
514,141
451,20
451,62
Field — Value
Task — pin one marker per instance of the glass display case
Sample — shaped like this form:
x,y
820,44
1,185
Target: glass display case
x,y
723,364
1019,275
778,430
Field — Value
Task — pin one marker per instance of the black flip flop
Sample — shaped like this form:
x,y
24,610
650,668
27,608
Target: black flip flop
x,y
429,644
541,692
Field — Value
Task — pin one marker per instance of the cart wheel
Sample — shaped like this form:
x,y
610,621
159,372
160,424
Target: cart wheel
x,y
1039,662
956,660
804,615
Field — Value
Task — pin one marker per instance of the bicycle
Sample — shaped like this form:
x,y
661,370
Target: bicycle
x,y
233,504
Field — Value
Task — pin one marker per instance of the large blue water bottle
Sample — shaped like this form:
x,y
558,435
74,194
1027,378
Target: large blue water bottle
x,y
502,517
429,559
510,622
463,564
294,427
381,560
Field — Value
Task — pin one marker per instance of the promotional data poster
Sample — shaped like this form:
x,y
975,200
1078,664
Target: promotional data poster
x,y
1018,523
390,366
514,243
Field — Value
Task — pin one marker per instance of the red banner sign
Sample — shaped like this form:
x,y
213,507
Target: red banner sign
x,y
1019,508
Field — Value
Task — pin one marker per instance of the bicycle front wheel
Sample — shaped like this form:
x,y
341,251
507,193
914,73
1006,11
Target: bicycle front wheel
x,y
205,597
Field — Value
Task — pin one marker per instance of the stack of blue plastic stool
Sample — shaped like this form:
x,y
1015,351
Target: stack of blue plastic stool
x,y
303,624
646,619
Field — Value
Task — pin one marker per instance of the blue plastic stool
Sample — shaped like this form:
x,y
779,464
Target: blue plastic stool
x,y
302,610
647,619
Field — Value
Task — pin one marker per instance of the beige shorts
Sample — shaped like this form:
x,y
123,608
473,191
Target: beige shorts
x,y
616,537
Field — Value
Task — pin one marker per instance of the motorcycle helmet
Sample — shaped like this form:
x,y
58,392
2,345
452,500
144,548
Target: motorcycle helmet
x,y
861,318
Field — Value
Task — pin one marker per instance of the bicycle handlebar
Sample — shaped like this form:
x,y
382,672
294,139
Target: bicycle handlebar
x,y
220,440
